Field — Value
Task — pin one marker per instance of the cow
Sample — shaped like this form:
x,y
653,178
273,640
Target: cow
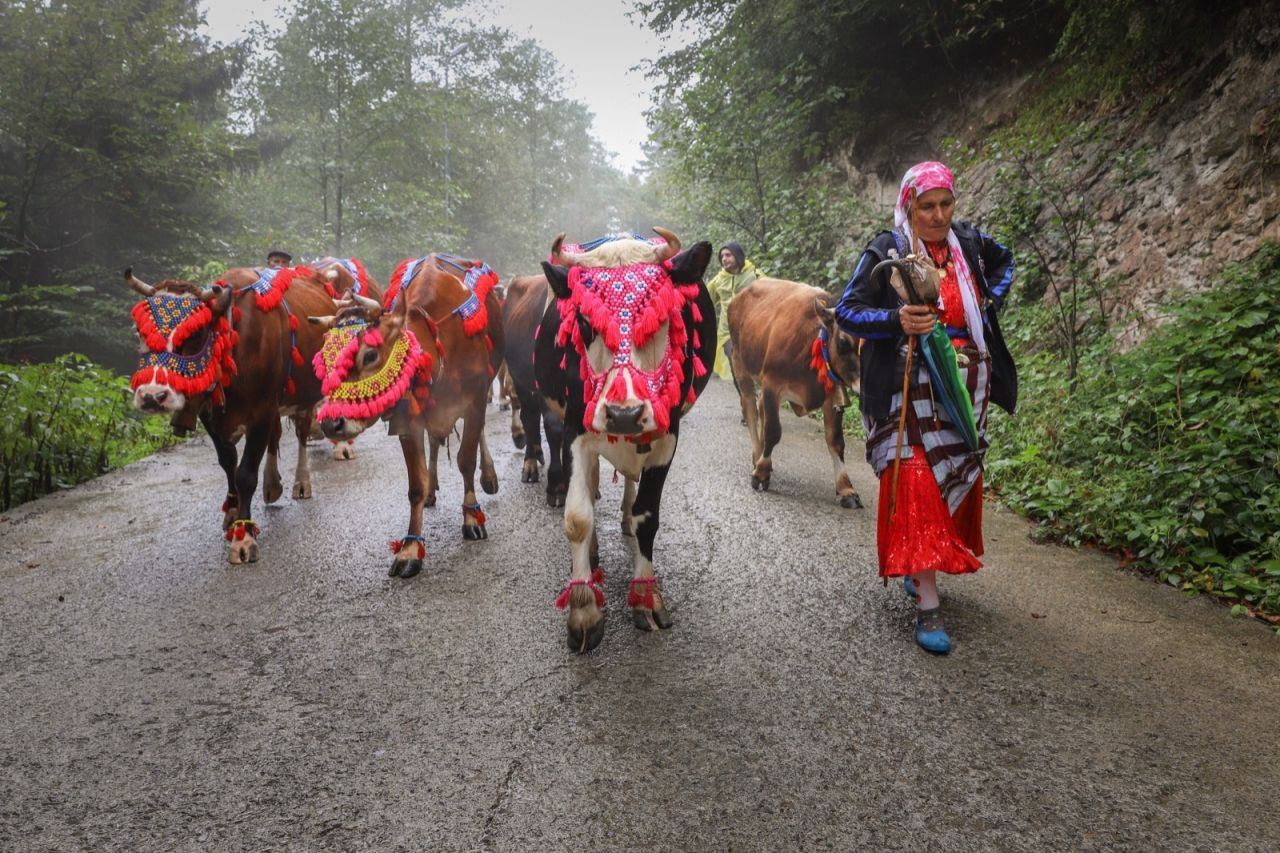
x,y
378,360
787,348
231,356
529,300
343,276
621,359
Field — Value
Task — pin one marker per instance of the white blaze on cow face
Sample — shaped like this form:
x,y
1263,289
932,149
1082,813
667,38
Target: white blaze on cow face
x,y
158,397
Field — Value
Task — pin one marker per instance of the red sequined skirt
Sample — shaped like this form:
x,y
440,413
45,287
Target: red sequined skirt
x,y
922,534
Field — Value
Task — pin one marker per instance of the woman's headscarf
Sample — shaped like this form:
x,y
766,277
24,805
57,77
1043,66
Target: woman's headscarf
x,y
919,179
738,253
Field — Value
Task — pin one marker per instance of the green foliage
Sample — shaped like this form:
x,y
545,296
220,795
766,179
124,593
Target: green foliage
x,y
65,422
1166,453
111,135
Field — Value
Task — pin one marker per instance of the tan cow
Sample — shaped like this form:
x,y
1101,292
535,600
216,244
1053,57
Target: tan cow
x,y
786,348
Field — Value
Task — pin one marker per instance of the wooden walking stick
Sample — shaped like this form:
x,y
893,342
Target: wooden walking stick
x,y
902,428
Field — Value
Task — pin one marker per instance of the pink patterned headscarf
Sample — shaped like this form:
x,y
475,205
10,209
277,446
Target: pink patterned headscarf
x,y
922,177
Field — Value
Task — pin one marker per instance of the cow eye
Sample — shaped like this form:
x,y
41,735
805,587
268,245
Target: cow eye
x,y
584,328
369,357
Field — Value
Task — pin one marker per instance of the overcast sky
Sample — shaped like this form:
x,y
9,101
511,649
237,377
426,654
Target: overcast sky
x,y
591,39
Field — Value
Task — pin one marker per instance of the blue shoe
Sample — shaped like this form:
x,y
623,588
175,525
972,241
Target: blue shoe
x,y
909,587
931,634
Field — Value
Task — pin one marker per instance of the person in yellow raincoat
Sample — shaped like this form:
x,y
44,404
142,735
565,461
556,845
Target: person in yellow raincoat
x,y
736,273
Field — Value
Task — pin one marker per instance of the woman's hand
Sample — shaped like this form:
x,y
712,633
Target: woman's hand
x,y
916,319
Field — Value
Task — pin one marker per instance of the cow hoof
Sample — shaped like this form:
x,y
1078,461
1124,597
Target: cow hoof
x,y
243,551
851,501
555,499
405,569
504,407
301,491
474,532
430,499
583,640
651,620
271,492
529,474
489,484
343,450
626,527
758,484
518,441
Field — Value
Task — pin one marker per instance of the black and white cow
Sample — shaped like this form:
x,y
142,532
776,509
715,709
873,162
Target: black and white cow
x,y
622,358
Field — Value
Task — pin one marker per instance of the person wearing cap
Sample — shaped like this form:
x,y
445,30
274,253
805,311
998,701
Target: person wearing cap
x,y
930,515
736,272
277,259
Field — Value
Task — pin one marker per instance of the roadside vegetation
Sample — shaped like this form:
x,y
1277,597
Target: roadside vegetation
x,y
64,422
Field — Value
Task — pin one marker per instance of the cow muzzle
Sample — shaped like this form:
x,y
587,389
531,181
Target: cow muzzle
x,y
157,399
624,419
341,429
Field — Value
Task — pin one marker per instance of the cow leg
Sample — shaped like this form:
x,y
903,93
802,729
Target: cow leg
x,y
833,425
411,549
472,517
528,414
243,532
559,456
770,434
628,502
433,471
648,610
272,485
227,456
302,471
585,625
488,474
751,414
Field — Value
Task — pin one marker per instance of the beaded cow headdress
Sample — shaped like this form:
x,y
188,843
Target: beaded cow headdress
x,y
627,305
165,321
405,366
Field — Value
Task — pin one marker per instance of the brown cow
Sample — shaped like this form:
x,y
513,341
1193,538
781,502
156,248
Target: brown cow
x,y
786,348
233,356
460,331
342,276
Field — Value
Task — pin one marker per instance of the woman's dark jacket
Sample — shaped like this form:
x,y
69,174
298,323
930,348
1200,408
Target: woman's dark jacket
x,y
869,309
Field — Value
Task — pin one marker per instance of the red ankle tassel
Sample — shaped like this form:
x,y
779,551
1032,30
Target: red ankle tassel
x,y
642,599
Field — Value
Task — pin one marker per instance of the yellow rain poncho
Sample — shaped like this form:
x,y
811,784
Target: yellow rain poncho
x,y
723,288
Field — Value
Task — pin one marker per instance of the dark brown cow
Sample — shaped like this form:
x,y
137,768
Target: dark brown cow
x,y
233,356
786,348
460,330
529,299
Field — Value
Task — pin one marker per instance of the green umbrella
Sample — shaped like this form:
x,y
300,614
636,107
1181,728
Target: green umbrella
x,y
948,383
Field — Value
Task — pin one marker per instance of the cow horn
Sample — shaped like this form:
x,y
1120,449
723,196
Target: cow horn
x,y
673,244
365,302
558,256
142,287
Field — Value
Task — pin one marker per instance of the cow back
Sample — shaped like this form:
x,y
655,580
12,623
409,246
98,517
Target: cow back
x,y
773,324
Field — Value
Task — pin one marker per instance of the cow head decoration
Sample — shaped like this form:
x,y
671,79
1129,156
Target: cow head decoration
x,y
623,309
835,352
369,362
185,344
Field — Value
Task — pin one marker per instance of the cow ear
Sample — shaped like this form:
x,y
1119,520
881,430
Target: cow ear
x,y
326,322
688,266
558,278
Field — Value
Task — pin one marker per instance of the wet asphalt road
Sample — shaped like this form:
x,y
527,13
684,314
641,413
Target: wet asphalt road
x,y
154,697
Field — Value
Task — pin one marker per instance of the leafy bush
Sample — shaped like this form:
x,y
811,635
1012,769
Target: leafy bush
x,y
1166,453
65,422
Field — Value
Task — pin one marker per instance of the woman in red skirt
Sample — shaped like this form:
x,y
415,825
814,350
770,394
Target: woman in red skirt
x,y
930,513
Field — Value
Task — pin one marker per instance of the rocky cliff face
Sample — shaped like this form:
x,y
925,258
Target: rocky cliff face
x,y
1186,182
